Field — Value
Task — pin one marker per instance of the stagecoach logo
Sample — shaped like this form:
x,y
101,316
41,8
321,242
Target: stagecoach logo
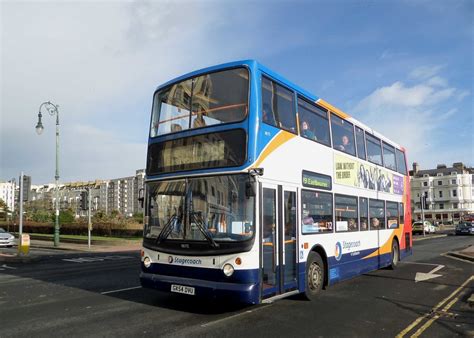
x,y
338,251
184,261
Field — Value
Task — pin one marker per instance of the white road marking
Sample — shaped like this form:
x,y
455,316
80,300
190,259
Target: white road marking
x,y
120,290
234,316
96,259
420,263
421,276
4,267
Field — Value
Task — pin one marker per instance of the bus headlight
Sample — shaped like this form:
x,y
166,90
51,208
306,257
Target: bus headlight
x,y
147,262
228,270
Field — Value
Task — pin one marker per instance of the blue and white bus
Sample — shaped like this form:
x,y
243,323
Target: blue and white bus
x,y
257,189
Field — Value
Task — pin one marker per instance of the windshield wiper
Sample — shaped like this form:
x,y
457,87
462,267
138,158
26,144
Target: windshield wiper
x,y
200,225
167,229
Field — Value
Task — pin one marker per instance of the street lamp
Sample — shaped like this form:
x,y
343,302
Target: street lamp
x,y
52,109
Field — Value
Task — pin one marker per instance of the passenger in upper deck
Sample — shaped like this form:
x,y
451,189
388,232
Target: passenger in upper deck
x,y
346,145
268,116
306,131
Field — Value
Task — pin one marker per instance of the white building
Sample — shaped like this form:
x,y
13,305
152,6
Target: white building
x,y
7,194
119,194
449,192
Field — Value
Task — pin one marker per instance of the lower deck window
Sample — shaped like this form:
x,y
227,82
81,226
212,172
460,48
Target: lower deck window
x,y
316,212
346,213
392,215
377,214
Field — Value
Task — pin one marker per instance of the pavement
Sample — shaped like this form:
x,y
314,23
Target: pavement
x,y
466,254
44,248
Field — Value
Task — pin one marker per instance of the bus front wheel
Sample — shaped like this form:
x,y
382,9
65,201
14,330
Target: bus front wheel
x,y
315,271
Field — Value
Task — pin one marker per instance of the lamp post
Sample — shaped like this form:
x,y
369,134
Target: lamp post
x,y
52,109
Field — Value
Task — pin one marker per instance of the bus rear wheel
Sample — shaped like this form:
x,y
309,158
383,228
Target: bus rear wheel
x,y
315,271
395,255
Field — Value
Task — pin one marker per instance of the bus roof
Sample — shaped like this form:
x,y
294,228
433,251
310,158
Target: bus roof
x,y
254,65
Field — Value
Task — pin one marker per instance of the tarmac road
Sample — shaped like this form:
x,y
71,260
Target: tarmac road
x,y
98,294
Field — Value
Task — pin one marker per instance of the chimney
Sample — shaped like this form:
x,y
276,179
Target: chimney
x,y
458,165
441,166
416,168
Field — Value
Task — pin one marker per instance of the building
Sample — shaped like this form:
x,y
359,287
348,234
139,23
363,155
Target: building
x,y
7,194
120,194
449,192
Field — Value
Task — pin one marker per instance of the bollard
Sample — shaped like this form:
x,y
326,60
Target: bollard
x,y
25,244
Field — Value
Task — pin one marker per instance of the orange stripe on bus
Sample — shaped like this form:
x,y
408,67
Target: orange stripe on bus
x,y
281,138
333,109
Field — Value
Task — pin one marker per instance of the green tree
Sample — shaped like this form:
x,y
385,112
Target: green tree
x,y
65,216
115,214
138,217
3,209
99,216
42,216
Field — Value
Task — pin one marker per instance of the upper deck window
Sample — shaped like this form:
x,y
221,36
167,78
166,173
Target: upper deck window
x,y
374,150
360,143
278,107
215,98
314,123
401,163
342,135
389,156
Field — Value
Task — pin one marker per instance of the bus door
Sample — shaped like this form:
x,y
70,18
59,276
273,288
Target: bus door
x,y
278,239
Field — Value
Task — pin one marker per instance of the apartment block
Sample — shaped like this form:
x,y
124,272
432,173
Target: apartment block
x,y
119,194
7,194
449,192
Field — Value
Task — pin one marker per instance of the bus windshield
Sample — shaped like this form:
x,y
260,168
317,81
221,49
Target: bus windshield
x,y
213,209
215,98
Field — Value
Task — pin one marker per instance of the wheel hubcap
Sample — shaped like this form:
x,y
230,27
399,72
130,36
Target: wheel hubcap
x,y
314,276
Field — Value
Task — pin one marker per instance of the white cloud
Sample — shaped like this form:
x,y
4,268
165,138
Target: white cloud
x,y
462,94
425,72
101,61
397,95
413,115
437,81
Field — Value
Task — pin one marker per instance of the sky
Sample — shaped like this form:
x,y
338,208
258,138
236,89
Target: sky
x,y
404,68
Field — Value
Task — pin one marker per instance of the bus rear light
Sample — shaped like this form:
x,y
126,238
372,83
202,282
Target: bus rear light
x,y
306,245
142,253
238,261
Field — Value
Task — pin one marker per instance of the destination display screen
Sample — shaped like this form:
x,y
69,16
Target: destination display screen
x,y
215,150
316,181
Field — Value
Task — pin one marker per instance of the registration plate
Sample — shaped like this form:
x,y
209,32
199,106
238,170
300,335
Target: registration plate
x,y
187,290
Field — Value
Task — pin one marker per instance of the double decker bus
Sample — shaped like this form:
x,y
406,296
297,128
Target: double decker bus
x,y
256,189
